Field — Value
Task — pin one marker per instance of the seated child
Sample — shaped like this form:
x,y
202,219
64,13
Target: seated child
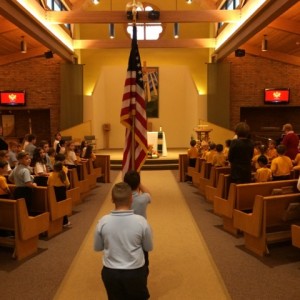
x,y
263,173
211,153
271,151
22,178
226,148
261,151
282,165
192,153
4,189
219,160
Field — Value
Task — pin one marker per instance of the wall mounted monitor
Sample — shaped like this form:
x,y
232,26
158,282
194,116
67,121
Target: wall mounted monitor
x,y
277,96
12,98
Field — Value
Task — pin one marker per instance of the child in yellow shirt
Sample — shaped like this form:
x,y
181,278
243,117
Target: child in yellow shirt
x,y
192,153
271,151
282,165
263,173
4,189
219,160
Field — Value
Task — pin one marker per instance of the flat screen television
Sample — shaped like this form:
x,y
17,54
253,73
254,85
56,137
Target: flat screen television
x,y
277,96
12,98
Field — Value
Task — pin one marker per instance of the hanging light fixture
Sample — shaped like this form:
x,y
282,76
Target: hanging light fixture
x,y
95,2
23,45
189,1
264,44
111,28
176,30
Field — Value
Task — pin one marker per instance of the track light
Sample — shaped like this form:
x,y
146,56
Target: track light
x,y
264,44
189,1
111,28
176,30
23,45
95,2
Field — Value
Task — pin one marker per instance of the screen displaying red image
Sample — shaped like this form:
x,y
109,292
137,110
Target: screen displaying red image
x,y
12,98
277,96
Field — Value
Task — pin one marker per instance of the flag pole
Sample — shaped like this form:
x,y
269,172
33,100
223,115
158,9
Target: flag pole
x,y
133,112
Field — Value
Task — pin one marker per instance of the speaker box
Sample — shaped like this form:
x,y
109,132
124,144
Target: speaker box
x,y
48,54
240,52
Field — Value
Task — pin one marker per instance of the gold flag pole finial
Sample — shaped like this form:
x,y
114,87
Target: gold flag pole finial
x,y
134,6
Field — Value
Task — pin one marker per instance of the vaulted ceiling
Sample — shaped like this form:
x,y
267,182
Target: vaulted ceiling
x,y
278,20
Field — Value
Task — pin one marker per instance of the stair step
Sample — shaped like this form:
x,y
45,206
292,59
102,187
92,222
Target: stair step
x,y
150,164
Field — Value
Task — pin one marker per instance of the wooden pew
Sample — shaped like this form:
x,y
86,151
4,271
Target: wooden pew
x,y
211,187
91,177
204,177
74,191
96,171
241,197
270,221
57,211
296,235
223,184
196,174
43,200
191,170
83,184
183,164
103,162
14,217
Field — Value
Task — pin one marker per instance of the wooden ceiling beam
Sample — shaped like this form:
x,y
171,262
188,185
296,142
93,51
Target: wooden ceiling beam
x,y
273,55
270,12
109,44
17,56
286,25
15,14
81,17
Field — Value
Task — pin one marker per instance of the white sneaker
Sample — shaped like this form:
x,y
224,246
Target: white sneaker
x,y
67,225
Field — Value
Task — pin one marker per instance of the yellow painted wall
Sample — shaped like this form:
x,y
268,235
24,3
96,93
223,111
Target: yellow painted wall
x,y
79,131
182,77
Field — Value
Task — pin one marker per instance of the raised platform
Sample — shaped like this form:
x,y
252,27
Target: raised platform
x,y
169,162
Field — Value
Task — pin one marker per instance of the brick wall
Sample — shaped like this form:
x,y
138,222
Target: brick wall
x,y
40,78
250,75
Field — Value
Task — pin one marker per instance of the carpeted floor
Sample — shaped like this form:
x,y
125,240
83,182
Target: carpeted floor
x,y
180,266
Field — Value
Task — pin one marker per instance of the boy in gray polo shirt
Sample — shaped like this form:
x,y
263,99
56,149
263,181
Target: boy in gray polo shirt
x,y
123,236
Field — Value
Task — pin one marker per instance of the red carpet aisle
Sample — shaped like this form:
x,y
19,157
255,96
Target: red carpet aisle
x,y
180,265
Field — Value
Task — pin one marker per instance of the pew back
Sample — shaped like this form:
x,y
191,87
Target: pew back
x,y
269,222
296,235
14,217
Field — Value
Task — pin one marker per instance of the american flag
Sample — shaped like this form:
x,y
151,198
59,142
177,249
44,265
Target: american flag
x,y
133,112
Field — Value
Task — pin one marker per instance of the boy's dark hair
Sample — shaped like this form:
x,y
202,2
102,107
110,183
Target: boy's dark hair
x,y
3,153
263,160
3,163
133,179
227,143
281,149
219,147
58,167
121,193
193,143
212,146
31,137
21,155
242,129
59,157
43,143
